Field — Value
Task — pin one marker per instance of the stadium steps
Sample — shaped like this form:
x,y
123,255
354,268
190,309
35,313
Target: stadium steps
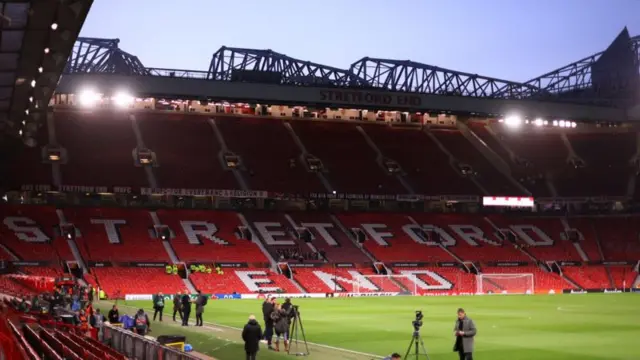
x,y
303,152
148,170
453,161
380,159
72,243
524,251
576,245
56,170
571,281
255,238
223,148
444,248
10,253
349,235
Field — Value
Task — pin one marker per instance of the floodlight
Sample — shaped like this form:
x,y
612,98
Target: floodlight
x,y
561,123
33,83
30,98
88,98
123,99
513,121
46,50
40,69
538,122
54,26
555,122
20,132
573,124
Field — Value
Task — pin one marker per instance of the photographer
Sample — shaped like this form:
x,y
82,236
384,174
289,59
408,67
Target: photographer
x,y
464,331
280,318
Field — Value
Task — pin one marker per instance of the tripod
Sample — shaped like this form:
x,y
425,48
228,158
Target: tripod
x,y
419,349
294,336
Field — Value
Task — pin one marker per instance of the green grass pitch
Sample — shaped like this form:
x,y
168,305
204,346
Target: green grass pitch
x,y
553,327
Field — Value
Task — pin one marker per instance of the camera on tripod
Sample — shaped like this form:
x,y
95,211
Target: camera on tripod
x,y
417,323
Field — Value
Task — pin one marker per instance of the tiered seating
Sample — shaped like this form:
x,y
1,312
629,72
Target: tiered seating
x,y
52,272
307,278
552,227
346,251
12,344
135,242
490,178
623,277
44,219
117,281
237,250
462,281
401,247
618,237
542,281
96,347
100,149
480,129
349,159
427,167
590,242
266,148
588,277
485,251
11,287
83,351
607,168
229,282
22,165
60,348
187,151
285,227
39,345
546,152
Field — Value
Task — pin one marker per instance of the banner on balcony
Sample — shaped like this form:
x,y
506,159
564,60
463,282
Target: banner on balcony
x,y
99,264
206,192
149,264
409,264
231,265
30,263
344,265
397,197
305,265
570,263
447,264
508,263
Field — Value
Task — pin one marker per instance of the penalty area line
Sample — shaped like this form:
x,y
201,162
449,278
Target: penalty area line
x,y
324,346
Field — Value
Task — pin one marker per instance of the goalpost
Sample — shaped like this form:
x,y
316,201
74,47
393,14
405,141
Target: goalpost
x,y
404,283
504,284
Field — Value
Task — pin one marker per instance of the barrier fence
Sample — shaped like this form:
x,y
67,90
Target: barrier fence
x,y
138,347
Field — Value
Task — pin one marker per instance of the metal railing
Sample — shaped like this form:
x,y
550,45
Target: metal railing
x,y
138,347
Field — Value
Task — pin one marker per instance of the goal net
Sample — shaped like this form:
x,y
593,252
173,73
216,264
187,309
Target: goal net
x,y
393,283
504,284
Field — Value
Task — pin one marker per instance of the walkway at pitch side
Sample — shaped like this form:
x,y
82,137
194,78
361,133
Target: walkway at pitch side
x,y
227,335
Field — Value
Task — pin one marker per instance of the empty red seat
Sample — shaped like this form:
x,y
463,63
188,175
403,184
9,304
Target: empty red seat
x,y
118,282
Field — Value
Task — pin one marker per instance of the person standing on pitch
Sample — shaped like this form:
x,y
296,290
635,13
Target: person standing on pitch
x,y
176,306
186,308
267,308
465,332
251,334
201,301
158,305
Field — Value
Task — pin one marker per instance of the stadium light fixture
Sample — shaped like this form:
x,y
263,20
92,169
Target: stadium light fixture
x,y
20,132
88,98
30,98
46,50
33,83
555,122
513,121
574,124
561,123
538,122
54,26
40,69
123,99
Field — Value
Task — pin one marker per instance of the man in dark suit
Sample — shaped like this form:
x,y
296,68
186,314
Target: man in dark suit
x,y
186,308
177,307
465,332
252,334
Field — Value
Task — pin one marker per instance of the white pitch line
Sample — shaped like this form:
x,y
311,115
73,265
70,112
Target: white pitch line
x,y
308,342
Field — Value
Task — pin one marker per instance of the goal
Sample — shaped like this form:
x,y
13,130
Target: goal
x,y
504,284
371,284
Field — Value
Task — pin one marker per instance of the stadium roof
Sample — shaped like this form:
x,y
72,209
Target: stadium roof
x,y
35,41
573,83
